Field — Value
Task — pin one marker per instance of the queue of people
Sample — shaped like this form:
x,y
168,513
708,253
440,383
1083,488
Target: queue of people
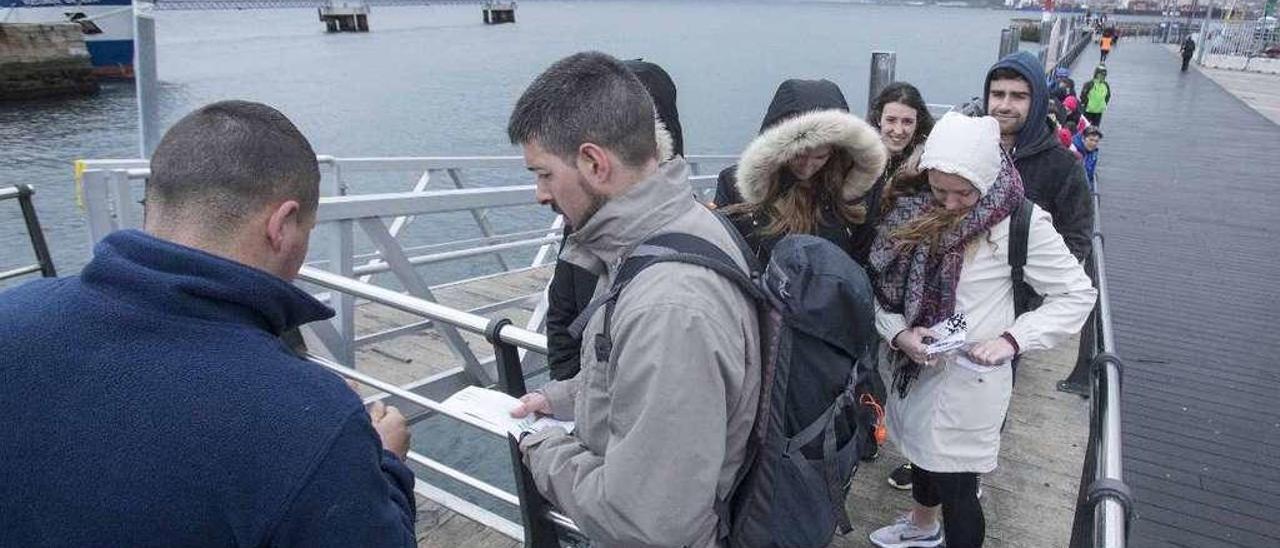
x,y
239,440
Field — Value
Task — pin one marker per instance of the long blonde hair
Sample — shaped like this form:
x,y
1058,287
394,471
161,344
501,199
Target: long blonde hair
x,y
927,229
794,208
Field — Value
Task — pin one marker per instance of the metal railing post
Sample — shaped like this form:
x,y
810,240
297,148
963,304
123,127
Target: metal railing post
x,y
145,79
342,263
97,204
38,244
883,66
1006,42
539,530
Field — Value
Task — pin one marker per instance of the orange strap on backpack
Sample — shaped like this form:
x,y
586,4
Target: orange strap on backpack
x,y
881,432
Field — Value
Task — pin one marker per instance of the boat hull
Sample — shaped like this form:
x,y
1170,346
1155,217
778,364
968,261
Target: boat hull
x,y
107,26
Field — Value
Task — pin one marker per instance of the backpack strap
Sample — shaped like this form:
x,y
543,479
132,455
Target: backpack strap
x,y
671,247
1019,232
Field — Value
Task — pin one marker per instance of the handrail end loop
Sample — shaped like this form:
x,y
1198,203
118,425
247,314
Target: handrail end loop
x,y
1102,359
493,331
1114,489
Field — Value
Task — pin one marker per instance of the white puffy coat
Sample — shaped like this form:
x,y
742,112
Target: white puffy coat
x,y
950,419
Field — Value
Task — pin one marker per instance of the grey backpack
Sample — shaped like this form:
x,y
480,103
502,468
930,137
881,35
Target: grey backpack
x,y
817,331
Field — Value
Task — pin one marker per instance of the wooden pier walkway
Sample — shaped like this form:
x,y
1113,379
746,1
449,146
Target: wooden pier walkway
x,y
1029,499
1190,177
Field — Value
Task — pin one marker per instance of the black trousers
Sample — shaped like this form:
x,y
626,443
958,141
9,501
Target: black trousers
x,y
962,520
1104,55
1094,118
1185,61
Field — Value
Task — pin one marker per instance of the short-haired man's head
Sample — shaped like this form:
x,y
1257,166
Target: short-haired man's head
x,y
1093,131
587,97
227,161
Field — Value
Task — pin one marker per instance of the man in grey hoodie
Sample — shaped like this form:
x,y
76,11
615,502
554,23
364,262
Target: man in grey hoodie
x,y
662,418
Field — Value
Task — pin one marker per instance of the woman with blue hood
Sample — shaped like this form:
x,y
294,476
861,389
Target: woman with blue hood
x,y
944,296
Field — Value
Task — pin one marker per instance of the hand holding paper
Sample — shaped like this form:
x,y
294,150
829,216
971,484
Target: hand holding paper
x,y
496,409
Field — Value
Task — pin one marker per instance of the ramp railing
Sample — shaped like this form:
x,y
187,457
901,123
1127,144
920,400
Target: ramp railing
x,y
44,261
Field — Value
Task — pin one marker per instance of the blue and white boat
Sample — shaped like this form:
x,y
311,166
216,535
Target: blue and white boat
x,y
107,26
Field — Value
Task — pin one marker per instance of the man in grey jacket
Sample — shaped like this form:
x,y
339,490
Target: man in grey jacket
x,y
662,421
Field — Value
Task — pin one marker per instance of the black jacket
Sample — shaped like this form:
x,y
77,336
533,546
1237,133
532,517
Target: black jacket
x,y
1053,178
570,292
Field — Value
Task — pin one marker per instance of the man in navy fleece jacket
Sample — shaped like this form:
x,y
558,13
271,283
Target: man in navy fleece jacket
x,y
149,401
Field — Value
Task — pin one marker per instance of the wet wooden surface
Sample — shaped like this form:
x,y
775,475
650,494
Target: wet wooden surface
x,y
1030,498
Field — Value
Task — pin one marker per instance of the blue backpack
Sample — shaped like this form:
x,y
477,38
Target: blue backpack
x,y
817,331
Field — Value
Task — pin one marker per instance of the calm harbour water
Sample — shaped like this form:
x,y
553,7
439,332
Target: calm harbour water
x,y
434,81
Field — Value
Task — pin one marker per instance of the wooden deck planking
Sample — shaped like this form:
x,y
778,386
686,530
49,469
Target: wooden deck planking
x,y
1029,500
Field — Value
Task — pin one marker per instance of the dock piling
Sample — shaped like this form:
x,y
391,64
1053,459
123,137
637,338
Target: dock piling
x,y
343,16
498,12
883,66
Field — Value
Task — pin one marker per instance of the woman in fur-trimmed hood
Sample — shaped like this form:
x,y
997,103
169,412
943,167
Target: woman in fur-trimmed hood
x,y
808,173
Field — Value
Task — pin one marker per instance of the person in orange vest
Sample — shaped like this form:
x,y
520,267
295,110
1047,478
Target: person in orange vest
x,y
1105,45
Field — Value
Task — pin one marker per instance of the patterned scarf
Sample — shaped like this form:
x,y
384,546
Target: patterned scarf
x,y
920,281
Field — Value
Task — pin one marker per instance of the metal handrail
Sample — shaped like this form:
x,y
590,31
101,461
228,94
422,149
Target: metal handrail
x,y
1105,507
44,261
428,309
506,338
1111,518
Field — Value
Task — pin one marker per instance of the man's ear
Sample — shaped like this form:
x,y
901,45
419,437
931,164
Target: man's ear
x,y
283,219
595,165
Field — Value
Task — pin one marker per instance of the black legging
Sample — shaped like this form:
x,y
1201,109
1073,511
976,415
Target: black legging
x,y
962,520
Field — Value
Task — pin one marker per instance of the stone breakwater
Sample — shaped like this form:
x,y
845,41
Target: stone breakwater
x,y
44,60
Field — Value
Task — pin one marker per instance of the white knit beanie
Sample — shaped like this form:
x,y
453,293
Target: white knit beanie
x,y
964,146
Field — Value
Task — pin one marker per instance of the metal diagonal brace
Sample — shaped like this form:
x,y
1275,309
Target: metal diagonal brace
x,y
481,216
403,270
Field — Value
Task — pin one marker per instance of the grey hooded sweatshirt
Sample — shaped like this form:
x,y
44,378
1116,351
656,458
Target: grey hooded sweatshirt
x,y
661,427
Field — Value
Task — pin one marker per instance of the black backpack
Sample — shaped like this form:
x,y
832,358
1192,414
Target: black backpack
x,y
818,338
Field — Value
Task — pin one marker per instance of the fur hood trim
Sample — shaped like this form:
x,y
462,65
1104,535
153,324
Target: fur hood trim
x,y
666,145
769,153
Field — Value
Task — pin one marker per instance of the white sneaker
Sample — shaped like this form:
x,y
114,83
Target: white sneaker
x,y
905,534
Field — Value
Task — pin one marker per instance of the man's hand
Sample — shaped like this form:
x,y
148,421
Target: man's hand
x,y
912,342
996,351
392,429
533,402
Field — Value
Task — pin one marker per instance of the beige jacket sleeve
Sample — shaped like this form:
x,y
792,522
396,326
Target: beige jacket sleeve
x,y
668,397
561,395
1054,273
889,324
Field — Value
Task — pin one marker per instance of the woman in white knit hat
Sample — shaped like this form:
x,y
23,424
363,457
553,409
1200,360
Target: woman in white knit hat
x,y
945,303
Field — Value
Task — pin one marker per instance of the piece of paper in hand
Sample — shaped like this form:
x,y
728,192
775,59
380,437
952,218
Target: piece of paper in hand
x,y
951,334
493,408
963,361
